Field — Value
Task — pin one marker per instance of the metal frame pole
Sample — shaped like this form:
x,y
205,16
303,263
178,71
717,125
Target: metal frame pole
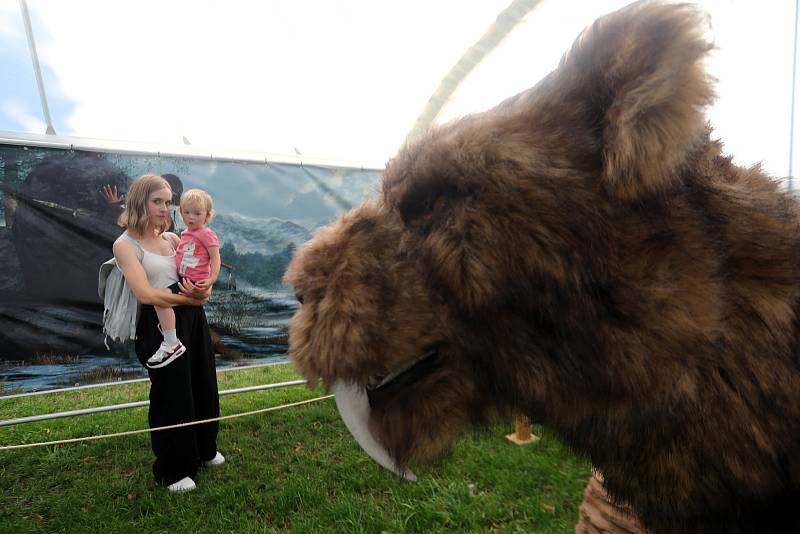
x,y
114,407
794,79
123,382
26,19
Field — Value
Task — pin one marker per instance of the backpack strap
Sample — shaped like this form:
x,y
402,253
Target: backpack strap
x,y
107,267
136,246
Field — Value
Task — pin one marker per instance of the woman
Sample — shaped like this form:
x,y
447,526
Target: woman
x,y
185,390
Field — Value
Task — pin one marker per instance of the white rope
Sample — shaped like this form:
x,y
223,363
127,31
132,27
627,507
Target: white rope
x,y
179,425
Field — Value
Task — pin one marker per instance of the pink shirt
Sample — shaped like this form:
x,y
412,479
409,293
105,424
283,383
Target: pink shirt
x,y
192,257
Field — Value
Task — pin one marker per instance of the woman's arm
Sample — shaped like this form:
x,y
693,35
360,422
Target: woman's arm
x,y
137,280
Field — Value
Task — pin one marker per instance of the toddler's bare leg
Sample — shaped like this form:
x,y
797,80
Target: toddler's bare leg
x,y
166,318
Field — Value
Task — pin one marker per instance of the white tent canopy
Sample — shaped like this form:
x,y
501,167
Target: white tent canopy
x,y
340,80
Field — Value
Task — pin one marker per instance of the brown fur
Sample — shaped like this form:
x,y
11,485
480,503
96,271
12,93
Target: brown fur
x,y
582,253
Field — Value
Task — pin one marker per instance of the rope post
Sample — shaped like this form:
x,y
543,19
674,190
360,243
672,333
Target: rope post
x,y
522,431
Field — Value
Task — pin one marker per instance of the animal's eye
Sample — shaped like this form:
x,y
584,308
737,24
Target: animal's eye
x,y
299,297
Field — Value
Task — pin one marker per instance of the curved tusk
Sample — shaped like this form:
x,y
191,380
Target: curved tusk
x,y
354,408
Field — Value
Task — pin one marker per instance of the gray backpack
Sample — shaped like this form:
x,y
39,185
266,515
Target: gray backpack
x,y
120,307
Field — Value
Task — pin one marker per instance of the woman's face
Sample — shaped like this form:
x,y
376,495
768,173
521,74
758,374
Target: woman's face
x,y
158,207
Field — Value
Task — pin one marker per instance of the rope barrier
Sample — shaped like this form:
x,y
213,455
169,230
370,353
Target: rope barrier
x,y
169,427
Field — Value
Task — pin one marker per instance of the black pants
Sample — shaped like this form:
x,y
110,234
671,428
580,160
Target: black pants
x,y
183,391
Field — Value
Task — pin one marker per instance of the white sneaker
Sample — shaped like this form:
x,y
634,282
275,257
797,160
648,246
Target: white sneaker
x,y
184,484
165,355
215,461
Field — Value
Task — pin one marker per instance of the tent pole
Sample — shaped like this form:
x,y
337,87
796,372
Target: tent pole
x,y
794,79
35,58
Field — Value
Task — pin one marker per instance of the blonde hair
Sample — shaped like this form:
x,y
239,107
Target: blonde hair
x,y
198,197
134,216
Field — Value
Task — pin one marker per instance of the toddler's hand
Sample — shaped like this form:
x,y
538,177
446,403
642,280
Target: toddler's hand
x,y
203,284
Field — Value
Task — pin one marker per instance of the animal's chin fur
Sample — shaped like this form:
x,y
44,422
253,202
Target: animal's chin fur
x,y
421,426
586,255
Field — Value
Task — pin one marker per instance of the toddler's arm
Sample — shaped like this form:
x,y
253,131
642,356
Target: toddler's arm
x,y
216,264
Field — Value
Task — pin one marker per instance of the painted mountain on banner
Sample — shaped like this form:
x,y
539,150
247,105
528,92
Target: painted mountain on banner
x,y
264,236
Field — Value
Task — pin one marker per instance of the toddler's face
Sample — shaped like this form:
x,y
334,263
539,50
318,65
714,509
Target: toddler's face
x,y
194,216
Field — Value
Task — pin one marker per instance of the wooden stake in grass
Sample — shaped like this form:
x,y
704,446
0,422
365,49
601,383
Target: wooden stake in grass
x,y
522,434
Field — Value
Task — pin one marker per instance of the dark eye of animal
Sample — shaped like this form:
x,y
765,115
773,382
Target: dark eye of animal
x,y
299,297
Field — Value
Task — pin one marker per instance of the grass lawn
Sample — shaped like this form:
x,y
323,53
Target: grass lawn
x,y
295,470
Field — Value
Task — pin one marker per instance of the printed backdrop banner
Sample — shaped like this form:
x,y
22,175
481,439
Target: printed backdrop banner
x,y
56,229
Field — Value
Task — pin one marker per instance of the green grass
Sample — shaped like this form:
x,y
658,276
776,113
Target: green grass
x,y
295,470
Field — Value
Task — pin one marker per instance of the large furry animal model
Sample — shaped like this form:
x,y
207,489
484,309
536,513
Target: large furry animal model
x,y
584,254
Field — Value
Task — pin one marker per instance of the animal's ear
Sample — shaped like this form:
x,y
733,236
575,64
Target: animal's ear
x,y
639,74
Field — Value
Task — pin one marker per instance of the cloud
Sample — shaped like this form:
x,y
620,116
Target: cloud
x,y
339,80
11,27
17,110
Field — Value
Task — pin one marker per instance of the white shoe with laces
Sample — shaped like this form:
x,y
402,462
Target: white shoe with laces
x,y
184,484
215,461
165,355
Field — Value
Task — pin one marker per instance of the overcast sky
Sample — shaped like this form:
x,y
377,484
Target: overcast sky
x,y
344,79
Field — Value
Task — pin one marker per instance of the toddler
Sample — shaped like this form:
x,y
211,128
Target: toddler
x,y
197,259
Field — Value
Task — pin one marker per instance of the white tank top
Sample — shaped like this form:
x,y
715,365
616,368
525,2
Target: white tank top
x,y
161,270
